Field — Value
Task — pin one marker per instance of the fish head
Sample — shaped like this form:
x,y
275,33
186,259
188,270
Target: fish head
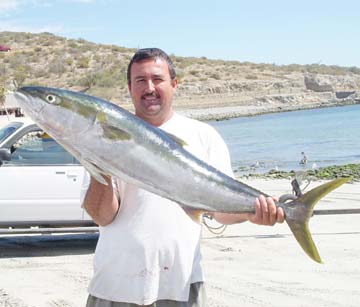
x,y
54,110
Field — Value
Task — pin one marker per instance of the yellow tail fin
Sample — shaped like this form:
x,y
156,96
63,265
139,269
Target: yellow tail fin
x,y
299,211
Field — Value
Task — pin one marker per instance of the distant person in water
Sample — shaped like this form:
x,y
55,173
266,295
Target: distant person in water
x,y
303,161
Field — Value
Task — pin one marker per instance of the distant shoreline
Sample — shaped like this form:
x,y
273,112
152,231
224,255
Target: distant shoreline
x,y
228,112
351,170
233,111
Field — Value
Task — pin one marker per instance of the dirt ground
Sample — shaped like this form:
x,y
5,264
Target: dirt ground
x,y
247,265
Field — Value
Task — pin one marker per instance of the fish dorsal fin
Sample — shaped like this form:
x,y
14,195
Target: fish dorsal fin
x,y
176,139
94,170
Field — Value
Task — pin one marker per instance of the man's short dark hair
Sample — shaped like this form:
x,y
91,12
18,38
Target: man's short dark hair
x,y
151,53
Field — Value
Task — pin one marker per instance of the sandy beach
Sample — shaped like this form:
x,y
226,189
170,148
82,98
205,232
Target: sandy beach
x,y
246,265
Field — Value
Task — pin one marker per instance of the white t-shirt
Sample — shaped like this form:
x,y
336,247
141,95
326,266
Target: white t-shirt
x,y
151,251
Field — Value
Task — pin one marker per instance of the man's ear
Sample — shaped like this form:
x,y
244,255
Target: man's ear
x,y
174,83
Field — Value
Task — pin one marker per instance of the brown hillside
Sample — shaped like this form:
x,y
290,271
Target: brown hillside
x,y
49,60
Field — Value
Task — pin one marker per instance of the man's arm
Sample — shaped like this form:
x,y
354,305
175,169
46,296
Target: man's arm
x,y
101,202
266,213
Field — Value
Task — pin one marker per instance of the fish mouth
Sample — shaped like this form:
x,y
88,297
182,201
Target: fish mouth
x,y
34,107
30,104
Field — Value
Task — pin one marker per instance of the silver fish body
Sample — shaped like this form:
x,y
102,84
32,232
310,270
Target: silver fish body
x,y
118,143
109,140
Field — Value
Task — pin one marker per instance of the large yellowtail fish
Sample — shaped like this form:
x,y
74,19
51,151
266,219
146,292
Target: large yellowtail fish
x,y
109,140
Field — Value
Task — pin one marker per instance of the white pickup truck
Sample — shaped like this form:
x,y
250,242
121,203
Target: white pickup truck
x,y
40,182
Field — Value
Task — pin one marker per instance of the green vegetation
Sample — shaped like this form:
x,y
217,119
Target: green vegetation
x,y
324,173
331,172
2,94
20,75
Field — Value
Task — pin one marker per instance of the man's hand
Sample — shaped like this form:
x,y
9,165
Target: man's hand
x,y
266,212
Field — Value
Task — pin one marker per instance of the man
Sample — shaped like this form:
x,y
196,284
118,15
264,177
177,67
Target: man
x,y
149,247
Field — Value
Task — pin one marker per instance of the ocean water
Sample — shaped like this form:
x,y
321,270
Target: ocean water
x,y
328,136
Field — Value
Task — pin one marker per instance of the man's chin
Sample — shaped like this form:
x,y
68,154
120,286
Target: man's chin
x,y
153,109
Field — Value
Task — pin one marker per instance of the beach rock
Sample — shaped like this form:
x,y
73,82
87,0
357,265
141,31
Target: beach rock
x,y
355,96
315,84
343,94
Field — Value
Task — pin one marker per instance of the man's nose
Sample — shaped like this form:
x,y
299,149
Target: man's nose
x,y
150,87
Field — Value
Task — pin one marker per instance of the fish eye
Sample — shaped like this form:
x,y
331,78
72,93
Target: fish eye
x,y
50,98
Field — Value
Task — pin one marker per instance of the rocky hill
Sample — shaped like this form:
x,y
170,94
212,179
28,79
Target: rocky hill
x,y
76,64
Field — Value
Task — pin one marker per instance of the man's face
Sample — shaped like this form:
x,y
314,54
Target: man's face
x,y
152,90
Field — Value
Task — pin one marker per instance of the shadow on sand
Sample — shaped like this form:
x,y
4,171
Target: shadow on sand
x,y
275,236
47,245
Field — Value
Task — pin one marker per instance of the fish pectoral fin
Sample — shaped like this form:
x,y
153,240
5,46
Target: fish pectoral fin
x,y
114,133
94,171
176,139
194,214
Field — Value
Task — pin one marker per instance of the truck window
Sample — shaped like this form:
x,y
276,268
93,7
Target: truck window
x,y
37,148
8,129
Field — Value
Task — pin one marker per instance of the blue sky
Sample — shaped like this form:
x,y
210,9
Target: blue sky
x,y
280,32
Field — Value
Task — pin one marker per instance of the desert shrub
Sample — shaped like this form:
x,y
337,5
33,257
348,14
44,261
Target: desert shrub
x,y
194,72
57,67
88,81
16,60
72,51
68,61
215,76
326,70
180,75
84,48
354,70
81,41
127,57
40,73
104,79
29,53
83,62
2,94
97,58
47,42
251,77
115,48
103,92
111,78
72,44
20,75
109,60
33,59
